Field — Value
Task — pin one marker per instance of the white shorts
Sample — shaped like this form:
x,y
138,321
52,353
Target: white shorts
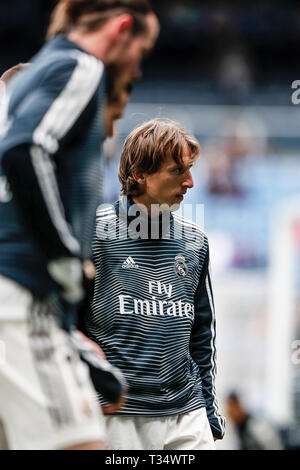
x,y
47,400
188,431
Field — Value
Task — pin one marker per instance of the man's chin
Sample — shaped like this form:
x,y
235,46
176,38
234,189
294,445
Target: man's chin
x,y
176,202
175,206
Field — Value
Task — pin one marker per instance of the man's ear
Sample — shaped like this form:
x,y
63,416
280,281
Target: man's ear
x,y
122,23
138,177
126,22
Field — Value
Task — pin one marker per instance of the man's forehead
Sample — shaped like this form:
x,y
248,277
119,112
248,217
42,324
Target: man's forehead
x,y
185,161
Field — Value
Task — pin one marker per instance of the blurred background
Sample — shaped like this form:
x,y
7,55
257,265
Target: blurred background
x,y
225,71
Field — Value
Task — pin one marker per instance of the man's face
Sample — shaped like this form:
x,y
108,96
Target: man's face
x,y
169,184
136,48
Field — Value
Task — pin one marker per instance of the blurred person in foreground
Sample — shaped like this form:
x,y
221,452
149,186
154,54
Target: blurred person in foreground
x,y
254,433
152,311
49,167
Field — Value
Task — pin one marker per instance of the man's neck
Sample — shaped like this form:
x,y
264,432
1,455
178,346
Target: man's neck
x,y
92,43
152,208
144,203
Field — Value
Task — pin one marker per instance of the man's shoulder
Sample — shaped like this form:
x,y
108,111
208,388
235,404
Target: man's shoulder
x,y
59,59
189,226
50,69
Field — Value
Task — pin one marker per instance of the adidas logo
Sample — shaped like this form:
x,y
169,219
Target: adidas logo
x,y
129,263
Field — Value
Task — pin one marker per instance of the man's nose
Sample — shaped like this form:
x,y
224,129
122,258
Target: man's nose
x,y
188,181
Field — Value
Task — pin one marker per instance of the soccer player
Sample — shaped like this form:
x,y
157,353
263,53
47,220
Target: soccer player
x,y
49,177
152,312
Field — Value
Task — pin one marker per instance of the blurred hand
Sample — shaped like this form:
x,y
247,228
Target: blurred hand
x,y
96,348
110,383
67,272
113,407
89,269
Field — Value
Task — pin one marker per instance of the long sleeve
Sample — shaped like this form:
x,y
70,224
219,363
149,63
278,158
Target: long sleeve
x,y
32,181
40,121
203,349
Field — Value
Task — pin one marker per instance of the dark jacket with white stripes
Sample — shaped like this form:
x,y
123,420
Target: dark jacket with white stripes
x,y
50,163
153,314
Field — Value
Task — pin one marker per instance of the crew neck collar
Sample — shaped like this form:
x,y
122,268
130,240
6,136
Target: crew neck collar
x,y
126,212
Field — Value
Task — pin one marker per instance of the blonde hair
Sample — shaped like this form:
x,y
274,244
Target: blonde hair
x,y
146,147
92,14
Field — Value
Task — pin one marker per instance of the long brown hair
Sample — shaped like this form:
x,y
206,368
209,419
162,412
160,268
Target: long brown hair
x,y
92,14
146,147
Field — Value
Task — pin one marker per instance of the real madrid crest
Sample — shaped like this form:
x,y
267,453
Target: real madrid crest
x,y
180,266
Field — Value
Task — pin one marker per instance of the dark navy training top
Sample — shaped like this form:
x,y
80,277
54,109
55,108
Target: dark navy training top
x,y
153,313
50,148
